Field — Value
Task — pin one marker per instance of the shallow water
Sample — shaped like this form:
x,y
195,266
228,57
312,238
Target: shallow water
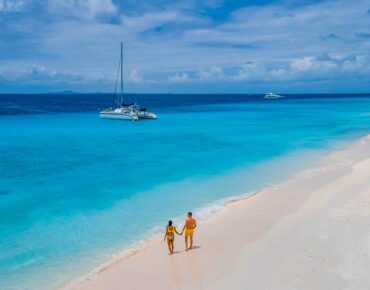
x,y
76,189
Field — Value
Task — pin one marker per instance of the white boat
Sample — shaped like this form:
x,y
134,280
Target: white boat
x,y
122,111
273,96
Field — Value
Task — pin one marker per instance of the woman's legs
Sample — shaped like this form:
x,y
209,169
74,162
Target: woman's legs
x,y
169,245
172,246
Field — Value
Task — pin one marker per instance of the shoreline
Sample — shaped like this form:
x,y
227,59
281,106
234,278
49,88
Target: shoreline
x,y
151,241
339,161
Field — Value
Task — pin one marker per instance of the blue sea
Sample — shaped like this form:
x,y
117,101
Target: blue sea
x,y
76,189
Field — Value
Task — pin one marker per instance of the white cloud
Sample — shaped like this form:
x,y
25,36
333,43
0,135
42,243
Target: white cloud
x,y
37,74
278,74
215,73
153,19
302,64
312,64
248,71
11,5
299,69
179,77
135,77
282,43
81,8
359,63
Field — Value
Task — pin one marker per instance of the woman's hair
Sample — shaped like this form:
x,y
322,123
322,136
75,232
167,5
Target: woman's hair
x,y
169,223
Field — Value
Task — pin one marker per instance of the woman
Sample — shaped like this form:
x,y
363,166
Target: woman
x,y
170,234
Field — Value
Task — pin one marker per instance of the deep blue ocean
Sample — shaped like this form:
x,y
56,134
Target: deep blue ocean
x,y
76,189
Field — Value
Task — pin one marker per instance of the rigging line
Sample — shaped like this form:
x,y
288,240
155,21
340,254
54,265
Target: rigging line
x,y
122,70
115,87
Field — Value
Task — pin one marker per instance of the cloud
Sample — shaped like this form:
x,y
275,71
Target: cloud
x,y
321,68
179,77
302,64
135,77
86,9
329,36
39,75
215,73
363,34
178,44
248,71
154,19
11,5
311,68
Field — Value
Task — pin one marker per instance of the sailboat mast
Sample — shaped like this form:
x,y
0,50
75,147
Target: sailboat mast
x,y
121,73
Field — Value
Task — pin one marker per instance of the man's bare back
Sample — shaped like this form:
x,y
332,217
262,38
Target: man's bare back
x,y
190,223
189,226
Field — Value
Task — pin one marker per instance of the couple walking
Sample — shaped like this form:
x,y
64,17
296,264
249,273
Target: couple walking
x,y
189,226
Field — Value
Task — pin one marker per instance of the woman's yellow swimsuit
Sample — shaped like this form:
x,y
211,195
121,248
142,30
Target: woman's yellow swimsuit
x,y
170,232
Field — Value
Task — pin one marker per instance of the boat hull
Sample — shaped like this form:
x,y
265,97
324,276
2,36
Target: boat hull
x,y
273,98
130,112
118,116
147,116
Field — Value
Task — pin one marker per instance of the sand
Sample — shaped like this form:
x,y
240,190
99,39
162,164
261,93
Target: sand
x,y
310,232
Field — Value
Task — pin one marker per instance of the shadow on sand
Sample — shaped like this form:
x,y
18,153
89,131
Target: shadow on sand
x,y
180,251
176,252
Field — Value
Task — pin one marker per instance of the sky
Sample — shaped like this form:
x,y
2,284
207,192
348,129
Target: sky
x,y
185,46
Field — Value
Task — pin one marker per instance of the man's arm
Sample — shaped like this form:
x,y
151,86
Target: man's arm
x,y
195,224
183,228
177,232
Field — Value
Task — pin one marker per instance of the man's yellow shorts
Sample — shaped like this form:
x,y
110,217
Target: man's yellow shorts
x,y
189,232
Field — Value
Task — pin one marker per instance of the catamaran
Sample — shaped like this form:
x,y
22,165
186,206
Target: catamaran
x,y
121,110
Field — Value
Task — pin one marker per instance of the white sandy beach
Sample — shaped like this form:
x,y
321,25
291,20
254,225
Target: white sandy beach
x,y
311,232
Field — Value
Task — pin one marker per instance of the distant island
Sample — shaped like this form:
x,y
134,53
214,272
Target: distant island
x,y
63,93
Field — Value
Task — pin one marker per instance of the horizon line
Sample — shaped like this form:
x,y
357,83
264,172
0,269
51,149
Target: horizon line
x,y
128,93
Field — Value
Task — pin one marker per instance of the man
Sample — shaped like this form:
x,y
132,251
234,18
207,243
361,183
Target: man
x,y
189,226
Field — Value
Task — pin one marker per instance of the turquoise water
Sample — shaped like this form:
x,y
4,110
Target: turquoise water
x,y
76,189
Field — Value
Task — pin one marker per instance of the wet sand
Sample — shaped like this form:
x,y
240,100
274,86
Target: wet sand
x,y
311,232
